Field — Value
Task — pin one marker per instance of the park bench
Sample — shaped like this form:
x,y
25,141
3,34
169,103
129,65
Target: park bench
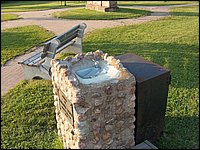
x,y
38,65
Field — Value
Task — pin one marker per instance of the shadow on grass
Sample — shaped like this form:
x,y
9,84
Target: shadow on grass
x,y
19,3
180,132
181,59
132,10
185,13
42,7
154,4
176,13
159,13
42,18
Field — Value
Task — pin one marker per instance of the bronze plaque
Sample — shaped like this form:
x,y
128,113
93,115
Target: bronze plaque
x,y
66,107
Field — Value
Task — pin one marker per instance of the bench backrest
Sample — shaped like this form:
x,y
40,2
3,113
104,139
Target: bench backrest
x,y
70,40
72,37
57,44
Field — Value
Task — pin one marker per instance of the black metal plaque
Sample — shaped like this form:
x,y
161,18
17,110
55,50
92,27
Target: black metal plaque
x,y
152,84
66,107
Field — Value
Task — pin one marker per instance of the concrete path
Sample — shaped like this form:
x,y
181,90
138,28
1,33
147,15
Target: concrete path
x,y
58,26
12,72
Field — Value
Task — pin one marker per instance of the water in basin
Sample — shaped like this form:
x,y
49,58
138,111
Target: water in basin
x,y
89,72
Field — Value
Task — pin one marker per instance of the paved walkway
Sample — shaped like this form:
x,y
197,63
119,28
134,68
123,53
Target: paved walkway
x,y
12,73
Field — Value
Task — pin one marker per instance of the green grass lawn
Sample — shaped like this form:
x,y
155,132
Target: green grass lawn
x,y
86,14
15,41
5,17
27,111
153,3
27,117
20,6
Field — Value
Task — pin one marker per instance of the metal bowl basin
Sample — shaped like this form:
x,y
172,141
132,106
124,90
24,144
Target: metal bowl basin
x,y
89,72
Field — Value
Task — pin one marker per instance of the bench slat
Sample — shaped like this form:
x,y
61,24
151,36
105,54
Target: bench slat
x,y
64,46
35,61
67,40
32,58
39,62
67,35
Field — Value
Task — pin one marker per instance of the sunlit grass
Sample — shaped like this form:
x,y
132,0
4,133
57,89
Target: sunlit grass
x,y
5,17
15,41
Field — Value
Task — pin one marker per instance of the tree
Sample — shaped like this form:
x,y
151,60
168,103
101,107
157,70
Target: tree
x,y
65,3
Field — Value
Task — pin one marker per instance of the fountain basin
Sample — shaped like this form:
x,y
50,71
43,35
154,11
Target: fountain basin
x,y
87,73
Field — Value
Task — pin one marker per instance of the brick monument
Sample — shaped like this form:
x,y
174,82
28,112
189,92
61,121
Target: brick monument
x,y
105,6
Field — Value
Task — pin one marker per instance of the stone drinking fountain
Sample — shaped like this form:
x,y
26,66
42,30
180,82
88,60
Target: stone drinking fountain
x,y
95,101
